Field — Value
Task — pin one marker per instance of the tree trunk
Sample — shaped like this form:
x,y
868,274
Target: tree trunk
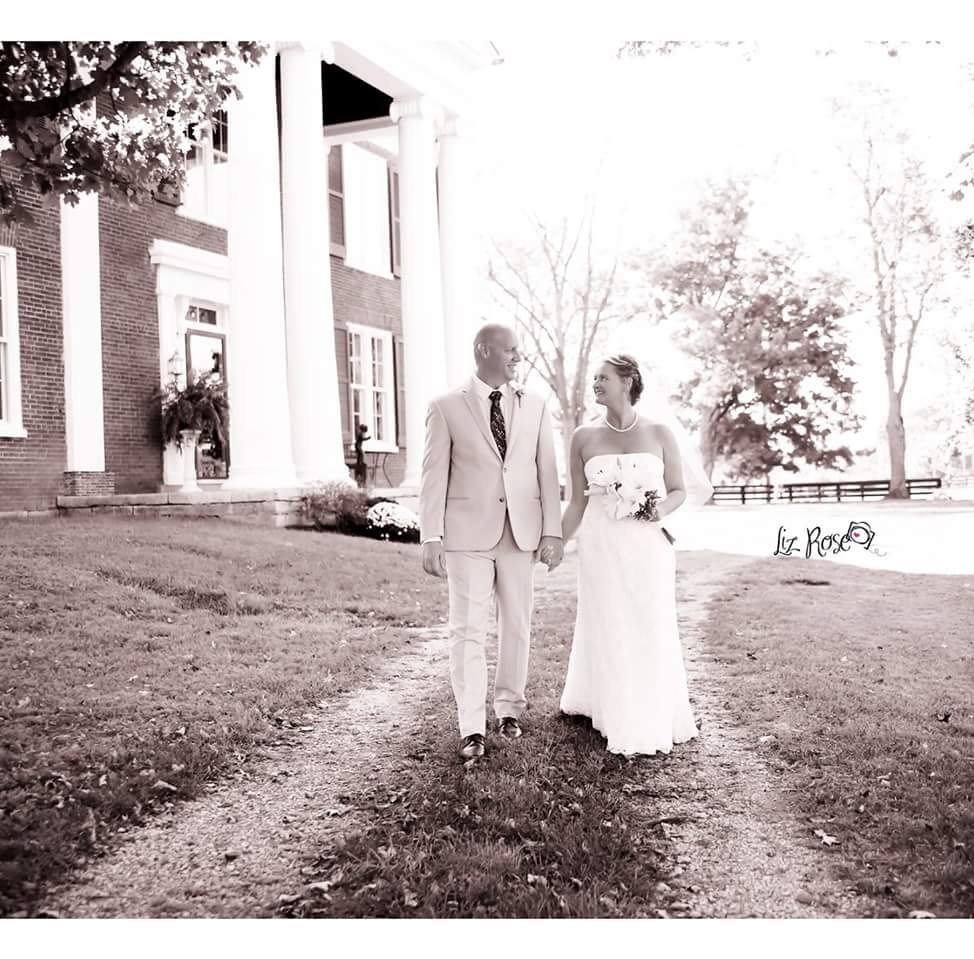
x,y
707,435
896,435
566,440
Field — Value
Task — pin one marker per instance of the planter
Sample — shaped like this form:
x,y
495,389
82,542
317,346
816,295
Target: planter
x,y
189,439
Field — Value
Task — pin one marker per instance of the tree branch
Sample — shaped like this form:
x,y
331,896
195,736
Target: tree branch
x,y
17,110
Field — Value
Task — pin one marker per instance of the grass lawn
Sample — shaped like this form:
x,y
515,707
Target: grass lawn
x,y
140,659
866,684
848,678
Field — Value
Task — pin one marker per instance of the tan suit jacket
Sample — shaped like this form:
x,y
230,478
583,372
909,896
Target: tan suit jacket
x,y
466,491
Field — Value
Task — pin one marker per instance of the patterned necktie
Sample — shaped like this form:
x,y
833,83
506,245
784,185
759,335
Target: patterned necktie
x,y
497,423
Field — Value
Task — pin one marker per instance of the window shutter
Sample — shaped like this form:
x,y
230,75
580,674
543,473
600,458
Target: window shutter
x,y
394,220
400,393
341,362
336,199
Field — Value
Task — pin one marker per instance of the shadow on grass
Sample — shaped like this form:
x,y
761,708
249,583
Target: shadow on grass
x,y
191,597
547,826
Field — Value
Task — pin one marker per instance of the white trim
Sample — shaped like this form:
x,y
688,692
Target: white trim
x,y
186,275
441,69
354,130
188,259
385,336
11,426
371,147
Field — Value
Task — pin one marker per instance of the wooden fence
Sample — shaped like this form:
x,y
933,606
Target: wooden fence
x,y
840,492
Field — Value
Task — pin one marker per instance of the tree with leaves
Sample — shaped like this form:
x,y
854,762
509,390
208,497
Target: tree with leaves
x,y
910,256
771,381
562,298
149,94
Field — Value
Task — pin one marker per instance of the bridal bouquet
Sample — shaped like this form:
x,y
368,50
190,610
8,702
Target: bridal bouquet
x,y
623,492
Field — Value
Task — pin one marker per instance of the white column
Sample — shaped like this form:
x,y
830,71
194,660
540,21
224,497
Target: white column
x,y
260,423
316,426
84,414
456,224
422,323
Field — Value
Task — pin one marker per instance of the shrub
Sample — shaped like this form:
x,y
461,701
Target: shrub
x,y
339,503
391,521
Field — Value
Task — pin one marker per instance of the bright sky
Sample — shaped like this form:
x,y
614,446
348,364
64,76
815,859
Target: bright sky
x,y
557,122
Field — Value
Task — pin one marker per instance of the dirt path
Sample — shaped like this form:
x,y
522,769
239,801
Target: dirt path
x,y
737,849
239,850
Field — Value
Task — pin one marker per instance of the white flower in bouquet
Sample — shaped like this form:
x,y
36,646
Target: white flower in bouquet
x,y
625,494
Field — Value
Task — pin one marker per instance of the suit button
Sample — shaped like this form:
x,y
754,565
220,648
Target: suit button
x,y
502,499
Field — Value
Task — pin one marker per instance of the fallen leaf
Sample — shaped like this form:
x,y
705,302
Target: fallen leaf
x,y
920,914
827,840
162,784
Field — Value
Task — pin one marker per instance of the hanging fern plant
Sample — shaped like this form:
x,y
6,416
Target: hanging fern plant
x,y
200,405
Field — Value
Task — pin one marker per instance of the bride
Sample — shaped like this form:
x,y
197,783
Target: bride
x,y
626,667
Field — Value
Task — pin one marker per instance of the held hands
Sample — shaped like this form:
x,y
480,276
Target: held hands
x,y
551,551
433,562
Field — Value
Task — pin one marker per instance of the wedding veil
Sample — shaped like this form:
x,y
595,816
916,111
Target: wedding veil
x,y
655,406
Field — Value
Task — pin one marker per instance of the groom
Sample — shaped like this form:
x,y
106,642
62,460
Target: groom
x,y
489,509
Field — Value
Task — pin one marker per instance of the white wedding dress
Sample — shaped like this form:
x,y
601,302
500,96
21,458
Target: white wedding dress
x,y
626,667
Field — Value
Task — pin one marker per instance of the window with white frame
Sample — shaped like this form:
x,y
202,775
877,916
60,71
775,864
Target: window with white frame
x,y
371,385
11,423
206,195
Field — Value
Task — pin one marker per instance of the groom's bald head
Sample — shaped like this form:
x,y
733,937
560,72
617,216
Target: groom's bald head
x,y
496,353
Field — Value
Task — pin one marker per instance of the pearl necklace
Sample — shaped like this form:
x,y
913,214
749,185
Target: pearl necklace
x,y
623,429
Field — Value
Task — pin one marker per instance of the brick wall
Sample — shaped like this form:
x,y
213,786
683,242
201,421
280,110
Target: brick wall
x,y
370,301
130,332
31,469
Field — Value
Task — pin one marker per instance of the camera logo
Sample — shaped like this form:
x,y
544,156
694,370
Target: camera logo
x,y
861,534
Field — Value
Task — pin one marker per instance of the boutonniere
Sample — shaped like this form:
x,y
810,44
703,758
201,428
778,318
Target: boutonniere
x,y
518,392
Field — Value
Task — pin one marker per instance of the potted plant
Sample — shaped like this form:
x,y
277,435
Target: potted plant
x,y
199,406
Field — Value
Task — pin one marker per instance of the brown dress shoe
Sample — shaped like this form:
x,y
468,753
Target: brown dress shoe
x,y
508,726
472,746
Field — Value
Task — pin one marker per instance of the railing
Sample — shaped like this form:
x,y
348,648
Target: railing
x,y
821,492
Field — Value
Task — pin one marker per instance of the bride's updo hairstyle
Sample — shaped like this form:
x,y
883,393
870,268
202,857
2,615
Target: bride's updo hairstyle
x,y
627,366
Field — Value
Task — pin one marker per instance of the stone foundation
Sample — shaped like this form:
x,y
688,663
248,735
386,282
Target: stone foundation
x,y
266,507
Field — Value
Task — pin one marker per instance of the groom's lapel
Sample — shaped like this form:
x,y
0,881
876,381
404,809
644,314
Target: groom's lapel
x,y
470,397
